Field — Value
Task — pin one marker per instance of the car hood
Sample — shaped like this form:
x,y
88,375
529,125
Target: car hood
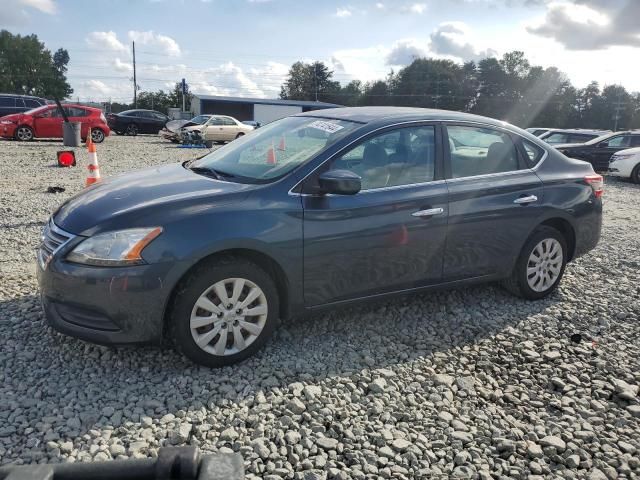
x,y
628,151
13,117
175,125
140,198
191,128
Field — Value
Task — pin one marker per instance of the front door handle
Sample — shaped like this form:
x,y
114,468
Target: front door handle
x,y
526,200
429,212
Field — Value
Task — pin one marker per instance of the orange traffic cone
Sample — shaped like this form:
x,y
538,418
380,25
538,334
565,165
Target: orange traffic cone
x,y
271,155
93,167
89,141
282,146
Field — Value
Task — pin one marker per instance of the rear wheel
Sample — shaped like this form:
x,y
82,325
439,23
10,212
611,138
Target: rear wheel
x,y
24,133
97,135
239,135
224,312
540,266
132,129
635,174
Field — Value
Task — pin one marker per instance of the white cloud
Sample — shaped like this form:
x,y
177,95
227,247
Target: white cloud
x,y
46,6
167,45
590,24
406,51
121,66
343,12
418,8
106,40
96,88
380,6
452,39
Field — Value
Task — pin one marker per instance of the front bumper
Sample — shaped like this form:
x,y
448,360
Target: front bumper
x,y
7,131
106,305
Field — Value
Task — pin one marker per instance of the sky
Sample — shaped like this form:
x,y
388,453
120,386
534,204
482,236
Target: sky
x,y
245,47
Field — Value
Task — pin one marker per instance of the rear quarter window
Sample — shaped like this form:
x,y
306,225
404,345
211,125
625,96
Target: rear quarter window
x,y
533,153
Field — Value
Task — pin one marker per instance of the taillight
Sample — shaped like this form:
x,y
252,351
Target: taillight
x,y
597,184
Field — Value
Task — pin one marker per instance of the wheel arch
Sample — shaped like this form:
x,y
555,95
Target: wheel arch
x,y
263,260
566,229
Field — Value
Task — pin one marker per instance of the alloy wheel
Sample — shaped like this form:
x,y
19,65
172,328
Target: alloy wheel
x,y
544,265
132,129
24,134
97,135
229,316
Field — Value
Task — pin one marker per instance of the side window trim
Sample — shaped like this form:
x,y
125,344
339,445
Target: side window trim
x,y
438,176
515,138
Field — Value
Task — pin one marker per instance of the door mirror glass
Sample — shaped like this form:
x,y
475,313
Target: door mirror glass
x,y
604,144
340,182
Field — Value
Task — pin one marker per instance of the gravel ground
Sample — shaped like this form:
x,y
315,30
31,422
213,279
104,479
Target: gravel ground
x,y
471,383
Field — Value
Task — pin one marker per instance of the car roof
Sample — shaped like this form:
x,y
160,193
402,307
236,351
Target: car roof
x,y
375,114
21,96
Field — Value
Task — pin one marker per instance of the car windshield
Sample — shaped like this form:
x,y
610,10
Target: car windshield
x,y
200,119
600,138
276,149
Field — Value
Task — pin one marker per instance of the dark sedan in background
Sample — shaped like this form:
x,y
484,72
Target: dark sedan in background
x,y
598,151
308,212
133,122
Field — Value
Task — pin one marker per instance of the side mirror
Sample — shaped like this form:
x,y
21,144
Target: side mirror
x,y
603,144
340,182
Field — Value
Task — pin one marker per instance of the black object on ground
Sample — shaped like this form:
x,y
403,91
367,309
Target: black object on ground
x,y
172,463
55,189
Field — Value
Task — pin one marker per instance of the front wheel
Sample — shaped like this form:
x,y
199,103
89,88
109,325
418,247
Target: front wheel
x,y
540,266
635,174
132,129
224,312
24,133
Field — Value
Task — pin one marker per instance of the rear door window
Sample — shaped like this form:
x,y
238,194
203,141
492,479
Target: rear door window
x,y
477,151
635,140
31,103
228,122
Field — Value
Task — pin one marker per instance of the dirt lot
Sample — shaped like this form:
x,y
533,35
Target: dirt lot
x,y
467,383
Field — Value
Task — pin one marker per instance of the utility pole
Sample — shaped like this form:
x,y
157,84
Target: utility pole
x,y
315,76
135,85
619,106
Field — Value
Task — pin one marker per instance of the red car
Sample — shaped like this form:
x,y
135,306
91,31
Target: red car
x,y
46,122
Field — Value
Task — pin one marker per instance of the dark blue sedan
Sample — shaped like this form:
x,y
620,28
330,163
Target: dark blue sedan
x,y
309,212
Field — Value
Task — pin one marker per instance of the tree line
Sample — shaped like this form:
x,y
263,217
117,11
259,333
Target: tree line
x,y
508,88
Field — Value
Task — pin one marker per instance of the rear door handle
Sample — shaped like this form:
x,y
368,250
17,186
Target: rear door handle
x,y
429,212
525,200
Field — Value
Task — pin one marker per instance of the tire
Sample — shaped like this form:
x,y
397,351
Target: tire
x,y
97,135
228,345
239,135
635,174
541,283
24,133
119,132
131,130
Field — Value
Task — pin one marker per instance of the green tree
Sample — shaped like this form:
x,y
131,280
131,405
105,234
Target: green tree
x,y
28,68
310,81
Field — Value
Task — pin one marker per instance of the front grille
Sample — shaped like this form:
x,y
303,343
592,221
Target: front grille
x,y
53,239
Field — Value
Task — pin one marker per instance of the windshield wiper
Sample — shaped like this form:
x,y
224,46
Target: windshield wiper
x,y
208,172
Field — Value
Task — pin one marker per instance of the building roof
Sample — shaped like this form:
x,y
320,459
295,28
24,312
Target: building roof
x,y
266,101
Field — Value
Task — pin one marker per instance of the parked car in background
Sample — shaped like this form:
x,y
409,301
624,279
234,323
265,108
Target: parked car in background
x,y
46,122
574,135
10,104
251,123
220,128
537,131
133,122
172,129
319,209
626,163
598,151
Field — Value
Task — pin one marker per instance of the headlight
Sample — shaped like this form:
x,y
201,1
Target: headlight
x,y
118,248
622,157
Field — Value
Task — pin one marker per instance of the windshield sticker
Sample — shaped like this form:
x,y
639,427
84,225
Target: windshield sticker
x,y
326,126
